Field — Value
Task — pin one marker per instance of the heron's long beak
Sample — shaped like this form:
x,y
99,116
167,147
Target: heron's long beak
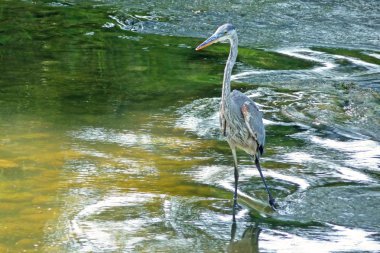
x,y
213,39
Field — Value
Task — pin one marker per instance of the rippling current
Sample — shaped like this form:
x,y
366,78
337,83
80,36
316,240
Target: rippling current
x,y
111,141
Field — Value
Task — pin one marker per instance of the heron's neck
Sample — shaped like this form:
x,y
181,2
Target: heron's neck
x,y
226,90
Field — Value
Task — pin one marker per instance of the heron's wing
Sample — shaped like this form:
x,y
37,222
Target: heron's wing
x,y
254,122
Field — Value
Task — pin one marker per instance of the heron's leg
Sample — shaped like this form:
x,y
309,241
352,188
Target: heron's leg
x,y
271,199
236,173
233,230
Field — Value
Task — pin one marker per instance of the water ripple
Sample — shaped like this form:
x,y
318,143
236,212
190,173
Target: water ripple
x,y
359,153
340,239
331,69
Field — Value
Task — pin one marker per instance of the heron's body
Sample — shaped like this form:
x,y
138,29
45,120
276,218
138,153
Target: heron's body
x,y
240,119
241,123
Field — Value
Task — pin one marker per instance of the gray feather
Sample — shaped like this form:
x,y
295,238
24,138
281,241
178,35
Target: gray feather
x,y
244,130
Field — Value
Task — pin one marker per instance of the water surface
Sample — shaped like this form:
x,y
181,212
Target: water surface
x,y
110,139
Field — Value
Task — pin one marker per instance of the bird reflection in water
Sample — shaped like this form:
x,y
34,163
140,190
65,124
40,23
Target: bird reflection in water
x,y
249,242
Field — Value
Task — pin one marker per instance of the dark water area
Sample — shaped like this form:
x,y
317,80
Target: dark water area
x,y
110,137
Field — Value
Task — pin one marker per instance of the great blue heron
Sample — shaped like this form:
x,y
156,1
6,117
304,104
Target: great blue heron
x,y
240,119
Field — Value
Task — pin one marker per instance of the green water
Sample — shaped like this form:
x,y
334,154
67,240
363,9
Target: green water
x,y
110,143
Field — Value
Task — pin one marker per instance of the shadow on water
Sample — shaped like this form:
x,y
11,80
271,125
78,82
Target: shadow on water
x,y
249,242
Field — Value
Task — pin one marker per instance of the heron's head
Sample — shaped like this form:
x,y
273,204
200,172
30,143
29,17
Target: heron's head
x,y
223,33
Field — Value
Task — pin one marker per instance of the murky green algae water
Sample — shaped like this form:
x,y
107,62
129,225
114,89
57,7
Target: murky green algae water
x,y
110,139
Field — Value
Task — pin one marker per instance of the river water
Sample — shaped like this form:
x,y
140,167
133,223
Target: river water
x,y
109,127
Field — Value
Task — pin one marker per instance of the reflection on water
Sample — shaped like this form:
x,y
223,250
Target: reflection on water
x,y
361,153
340,239
94,230
331,67
110,137
147,222
249,241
